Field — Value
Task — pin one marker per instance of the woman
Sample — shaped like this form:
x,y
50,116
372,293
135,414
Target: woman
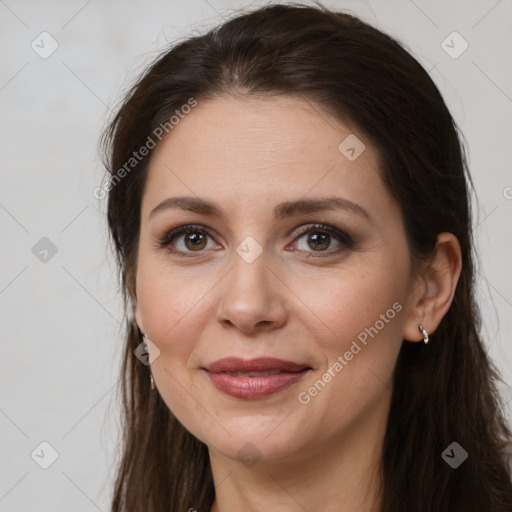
x,y
289,206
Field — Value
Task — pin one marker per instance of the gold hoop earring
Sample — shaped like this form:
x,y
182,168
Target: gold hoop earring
x,y
152,381
424,333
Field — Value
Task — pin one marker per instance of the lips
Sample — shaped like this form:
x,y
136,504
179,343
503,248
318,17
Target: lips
x,y
262,364
255,378
253,374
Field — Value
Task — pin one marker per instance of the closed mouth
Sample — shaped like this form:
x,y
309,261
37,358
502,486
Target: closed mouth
x,y
260,367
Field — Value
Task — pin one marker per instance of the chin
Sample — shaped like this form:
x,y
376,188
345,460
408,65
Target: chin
x,y
255,438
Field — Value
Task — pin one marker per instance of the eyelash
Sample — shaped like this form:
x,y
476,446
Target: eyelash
x,y
342,237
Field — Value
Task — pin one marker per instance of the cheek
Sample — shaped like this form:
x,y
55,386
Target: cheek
x,y
360,347
362,313
170,308
350,302
167,301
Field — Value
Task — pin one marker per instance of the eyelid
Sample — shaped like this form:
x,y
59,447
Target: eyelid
x,y
180,230
339,234
171,234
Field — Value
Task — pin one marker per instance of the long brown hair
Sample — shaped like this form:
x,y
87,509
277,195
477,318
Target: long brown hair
x,y
442,394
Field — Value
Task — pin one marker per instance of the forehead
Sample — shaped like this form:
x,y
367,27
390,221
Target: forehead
x,y
249,151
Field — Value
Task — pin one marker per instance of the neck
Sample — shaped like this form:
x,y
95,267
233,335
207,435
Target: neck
x,y
342,473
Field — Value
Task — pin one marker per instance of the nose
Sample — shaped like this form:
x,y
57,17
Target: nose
x,y
252,297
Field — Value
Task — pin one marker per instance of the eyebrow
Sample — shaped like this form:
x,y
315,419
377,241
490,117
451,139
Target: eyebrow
x,y
281,211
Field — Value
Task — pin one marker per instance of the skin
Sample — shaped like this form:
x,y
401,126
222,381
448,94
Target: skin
x,y
247,156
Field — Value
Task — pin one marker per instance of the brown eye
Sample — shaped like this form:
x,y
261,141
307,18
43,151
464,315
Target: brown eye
x,y
185,240
319,238
318,241
195,241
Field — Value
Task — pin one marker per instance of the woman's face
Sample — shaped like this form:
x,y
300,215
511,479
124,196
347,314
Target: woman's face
x,y
253,278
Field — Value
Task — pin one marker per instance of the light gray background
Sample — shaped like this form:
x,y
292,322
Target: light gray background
x,y
60,318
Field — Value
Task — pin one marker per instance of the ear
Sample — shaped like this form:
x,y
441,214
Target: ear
x,y
138,316
435,288
131,280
